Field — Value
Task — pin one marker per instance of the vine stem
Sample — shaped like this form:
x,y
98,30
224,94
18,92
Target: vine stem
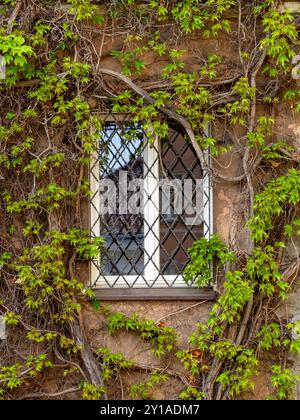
x,y
13,17
78,331
49,395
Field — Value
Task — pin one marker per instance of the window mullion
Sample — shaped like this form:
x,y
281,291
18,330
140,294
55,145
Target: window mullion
x,y
151,210
207,195
94,209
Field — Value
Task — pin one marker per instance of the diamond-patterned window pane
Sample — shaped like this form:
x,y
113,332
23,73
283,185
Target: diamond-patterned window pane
x,y
149,228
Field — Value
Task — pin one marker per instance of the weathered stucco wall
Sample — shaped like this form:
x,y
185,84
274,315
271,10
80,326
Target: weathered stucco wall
x,y
182,316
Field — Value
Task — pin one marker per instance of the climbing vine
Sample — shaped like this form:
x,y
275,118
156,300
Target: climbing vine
x,y
56,84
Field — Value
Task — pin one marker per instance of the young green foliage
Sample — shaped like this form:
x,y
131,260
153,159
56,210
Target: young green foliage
x,y
162,338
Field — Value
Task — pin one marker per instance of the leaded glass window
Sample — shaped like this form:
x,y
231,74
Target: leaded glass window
x,y
151,200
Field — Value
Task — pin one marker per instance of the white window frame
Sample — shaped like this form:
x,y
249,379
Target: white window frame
x,y
151,238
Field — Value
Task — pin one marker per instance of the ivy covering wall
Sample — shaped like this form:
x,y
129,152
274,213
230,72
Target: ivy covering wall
x,y
54,87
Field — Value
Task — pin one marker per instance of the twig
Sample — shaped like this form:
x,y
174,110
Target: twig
x,y
48,395
181,310
245,320
121,386
13,17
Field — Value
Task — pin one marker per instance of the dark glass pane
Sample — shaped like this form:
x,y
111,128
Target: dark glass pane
x,y
180,225
122,157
